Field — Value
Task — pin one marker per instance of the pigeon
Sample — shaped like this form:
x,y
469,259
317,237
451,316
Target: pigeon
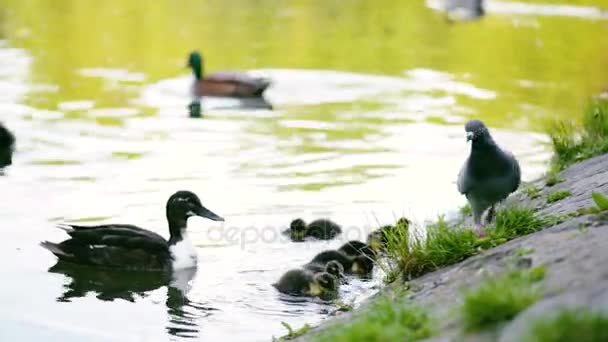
x,y
489,175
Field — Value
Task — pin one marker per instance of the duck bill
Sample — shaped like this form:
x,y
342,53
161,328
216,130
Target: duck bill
x,y
206,213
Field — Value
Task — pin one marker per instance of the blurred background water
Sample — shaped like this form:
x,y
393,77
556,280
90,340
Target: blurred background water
x,y
369,101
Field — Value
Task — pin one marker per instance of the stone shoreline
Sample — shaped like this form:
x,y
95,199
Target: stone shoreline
x,y
574,254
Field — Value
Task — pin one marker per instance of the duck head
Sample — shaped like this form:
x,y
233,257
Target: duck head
x,y
335,268
7,146
325,286
362,266
195,61
184,204
298,229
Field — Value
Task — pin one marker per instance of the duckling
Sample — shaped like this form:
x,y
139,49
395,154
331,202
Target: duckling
x,y
297,230
7,146
227,84
333,267
360,265
322,229
300,282
356,248
378,239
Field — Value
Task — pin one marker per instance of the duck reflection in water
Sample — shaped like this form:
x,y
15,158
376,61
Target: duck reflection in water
x,y
109,285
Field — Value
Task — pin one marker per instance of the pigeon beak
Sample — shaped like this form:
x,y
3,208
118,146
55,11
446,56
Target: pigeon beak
x,y
470,136
206,213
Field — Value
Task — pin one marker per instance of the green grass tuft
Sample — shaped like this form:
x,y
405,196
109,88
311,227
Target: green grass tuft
x,y
414,254
532,191
601,201
558,195
466,210
291,333
387,319
570,325
514,221
572,143
553,177
500,299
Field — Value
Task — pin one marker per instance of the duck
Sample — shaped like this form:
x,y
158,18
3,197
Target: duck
x,y
321,229
359,265
7,146
301,282
332,267
224,84
379,238
357,248
464,10
125,246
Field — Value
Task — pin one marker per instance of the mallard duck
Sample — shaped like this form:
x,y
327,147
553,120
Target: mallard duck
x,y
228,84
360,265
7,146
322,229
124,246
333,267
463,10
356,248
378,239
300,282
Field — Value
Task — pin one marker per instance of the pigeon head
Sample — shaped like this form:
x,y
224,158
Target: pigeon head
x,y
477,131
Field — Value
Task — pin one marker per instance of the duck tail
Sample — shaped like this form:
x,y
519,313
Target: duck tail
x,y
56,249
68,228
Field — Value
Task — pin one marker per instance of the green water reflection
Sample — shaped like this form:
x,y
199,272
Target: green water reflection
x,y
563,57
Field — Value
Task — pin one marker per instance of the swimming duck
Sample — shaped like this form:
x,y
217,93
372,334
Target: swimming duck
x,y
124,246
356,248
378,239
300,282
360,265
333,267
227,84
322,229
464,10
7,146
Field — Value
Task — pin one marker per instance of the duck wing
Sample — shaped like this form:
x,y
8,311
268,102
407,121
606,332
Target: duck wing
x,y
114,245
120,235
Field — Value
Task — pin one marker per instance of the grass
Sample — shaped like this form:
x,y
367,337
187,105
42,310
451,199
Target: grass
x,y
466,210
500,299
553,177
291,333
532,191
570,325
412,254
387,319
601,201
558,195
515,221
572,143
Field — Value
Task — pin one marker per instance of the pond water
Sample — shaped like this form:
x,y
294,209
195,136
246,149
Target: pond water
x,y
369,103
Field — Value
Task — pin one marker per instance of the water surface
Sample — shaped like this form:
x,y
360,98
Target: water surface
x,y
369,101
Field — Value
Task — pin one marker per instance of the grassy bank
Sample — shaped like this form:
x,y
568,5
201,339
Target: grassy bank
x,y
412,253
